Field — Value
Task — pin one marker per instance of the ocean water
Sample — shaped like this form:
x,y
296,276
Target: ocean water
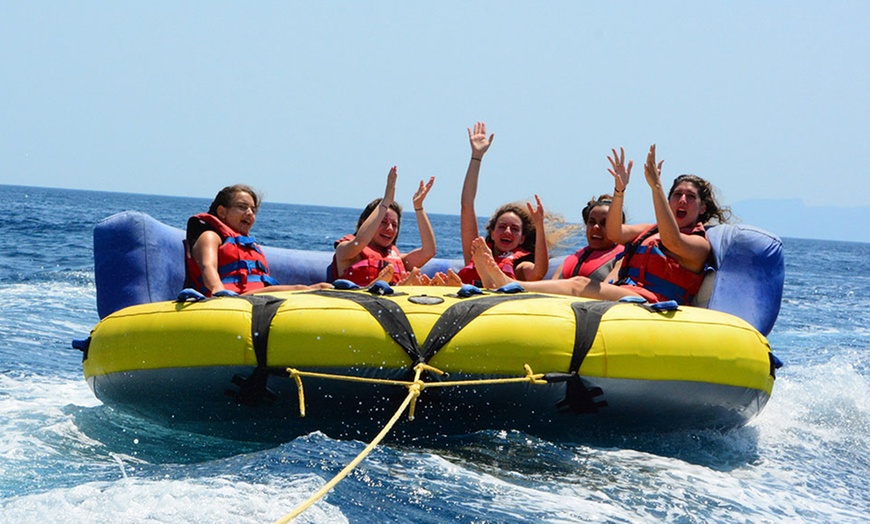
x,y
64,457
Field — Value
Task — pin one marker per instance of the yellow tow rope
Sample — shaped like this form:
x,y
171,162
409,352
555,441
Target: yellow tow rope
x,y
415,387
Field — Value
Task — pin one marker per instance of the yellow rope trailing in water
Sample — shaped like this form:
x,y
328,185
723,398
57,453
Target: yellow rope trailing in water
x,y
414,390
415,387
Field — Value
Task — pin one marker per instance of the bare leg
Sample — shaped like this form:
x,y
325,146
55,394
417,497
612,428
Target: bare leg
x,y
493,278
490,274
580,287
290,287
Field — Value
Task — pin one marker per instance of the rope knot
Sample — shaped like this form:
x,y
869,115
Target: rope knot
x,y
533,378
414,389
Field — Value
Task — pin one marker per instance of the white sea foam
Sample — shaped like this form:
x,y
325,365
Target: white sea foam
x,y
66,458
199,500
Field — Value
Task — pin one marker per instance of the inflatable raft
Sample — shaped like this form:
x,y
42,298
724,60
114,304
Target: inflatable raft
x,y
235,366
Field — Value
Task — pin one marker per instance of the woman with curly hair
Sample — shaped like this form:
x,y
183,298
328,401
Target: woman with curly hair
x,y
515,234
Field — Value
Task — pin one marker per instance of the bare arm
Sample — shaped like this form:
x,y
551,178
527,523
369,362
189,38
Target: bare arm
x,y
205,253
427,249
346,252
467,217
615,229
613,276
537,270
691,251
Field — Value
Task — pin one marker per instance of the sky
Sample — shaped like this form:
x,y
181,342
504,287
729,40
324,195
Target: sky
x,y
312,102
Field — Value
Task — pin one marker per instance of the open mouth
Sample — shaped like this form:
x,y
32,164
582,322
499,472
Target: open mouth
x,y
681,213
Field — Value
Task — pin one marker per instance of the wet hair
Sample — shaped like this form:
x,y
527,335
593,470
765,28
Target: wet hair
x,y
706,193
603,200
225,197
369,209
528,226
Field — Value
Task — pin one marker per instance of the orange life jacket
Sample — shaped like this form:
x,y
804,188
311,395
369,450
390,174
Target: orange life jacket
x,y
655,273
241,263
593,263
366,270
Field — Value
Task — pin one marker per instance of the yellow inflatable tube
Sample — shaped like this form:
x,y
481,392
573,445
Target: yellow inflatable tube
x,y
693,356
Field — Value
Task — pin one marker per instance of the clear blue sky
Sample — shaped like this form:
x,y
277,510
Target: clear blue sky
x,y
313,102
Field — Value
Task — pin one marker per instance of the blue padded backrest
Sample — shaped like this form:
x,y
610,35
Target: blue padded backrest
x,y
138,260
750,273
294,266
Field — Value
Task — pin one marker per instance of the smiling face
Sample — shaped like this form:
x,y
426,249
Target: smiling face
x,y
387,231
595,228
240,214
507,234
686,204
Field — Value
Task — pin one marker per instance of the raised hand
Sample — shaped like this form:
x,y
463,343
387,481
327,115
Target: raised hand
x,y
537,214
651,170
620,172
479,142
390,190
422,191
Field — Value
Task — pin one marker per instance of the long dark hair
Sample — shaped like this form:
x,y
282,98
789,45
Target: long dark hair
x,y
369,209
225,197
706,193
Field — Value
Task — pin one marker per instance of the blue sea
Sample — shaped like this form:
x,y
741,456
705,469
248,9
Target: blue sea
x,y
65,457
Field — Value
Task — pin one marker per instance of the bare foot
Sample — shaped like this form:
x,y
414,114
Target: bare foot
x,y
453,279
386,274
412,278
490,275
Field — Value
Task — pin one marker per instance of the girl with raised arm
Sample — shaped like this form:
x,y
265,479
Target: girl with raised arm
x,y
663,261
371,254
515,234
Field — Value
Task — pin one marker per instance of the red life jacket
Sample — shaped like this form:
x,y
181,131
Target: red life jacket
x,y
506,263
655,274
365,271
241,263
593,263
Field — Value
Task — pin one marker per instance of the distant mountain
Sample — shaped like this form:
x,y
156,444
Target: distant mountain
x,y
793,219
